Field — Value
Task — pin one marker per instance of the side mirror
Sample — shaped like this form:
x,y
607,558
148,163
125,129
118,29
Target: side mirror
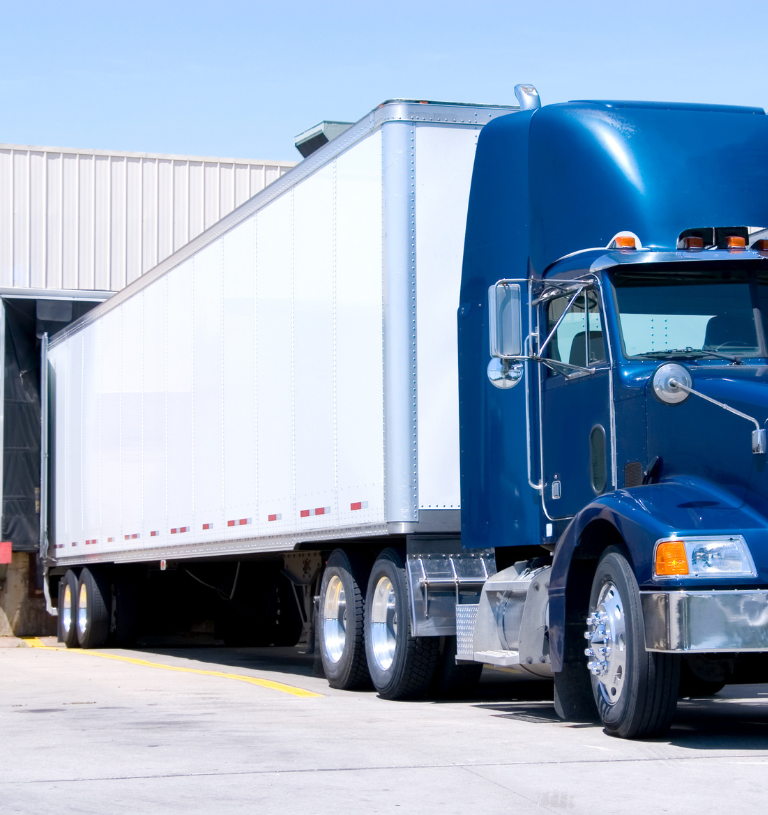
x,y
505,311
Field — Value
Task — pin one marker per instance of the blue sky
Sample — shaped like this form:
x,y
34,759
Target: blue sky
x,y
242,79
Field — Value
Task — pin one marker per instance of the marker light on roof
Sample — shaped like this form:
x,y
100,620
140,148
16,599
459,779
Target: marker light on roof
x,y
625,242
735,243
693,242
760,246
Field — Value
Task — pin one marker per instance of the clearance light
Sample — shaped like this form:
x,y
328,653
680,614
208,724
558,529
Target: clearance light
x,y
693,243
760,246
735,243
625,242
671,558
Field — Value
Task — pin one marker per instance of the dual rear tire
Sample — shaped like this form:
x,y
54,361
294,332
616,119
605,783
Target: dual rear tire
x,y
84,609
364,632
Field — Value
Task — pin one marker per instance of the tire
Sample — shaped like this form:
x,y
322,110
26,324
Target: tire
x,y
340,623
401,666
692,683
452,681
635,690
93,609
68,610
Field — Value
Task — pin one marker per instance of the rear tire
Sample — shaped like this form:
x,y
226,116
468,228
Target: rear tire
x,y
340,623
67,617
635,690
452,681
93,609
401,666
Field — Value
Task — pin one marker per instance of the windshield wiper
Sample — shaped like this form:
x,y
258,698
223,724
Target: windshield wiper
x,y
676,353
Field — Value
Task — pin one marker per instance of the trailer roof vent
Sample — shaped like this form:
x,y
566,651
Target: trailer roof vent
x,y
314,138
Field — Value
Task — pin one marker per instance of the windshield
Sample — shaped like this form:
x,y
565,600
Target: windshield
x,y
696,314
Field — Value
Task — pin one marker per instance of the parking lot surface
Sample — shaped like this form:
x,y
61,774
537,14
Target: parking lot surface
x,y
222,730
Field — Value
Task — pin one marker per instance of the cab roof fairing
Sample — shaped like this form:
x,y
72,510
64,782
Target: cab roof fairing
x,y
599,168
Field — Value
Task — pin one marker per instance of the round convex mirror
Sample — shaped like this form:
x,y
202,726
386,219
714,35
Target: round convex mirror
x,y
504,374
666,380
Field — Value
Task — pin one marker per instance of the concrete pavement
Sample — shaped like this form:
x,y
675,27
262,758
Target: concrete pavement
x,y
88,734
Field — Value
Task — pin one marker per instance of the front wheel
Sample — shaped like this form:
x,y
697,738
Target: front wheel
x,y
635,690
401,666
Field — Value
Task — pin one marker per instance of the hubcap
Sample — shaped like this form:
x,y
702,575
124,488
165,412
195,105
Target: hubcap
x,y
335,619
82,610
607,650
66,612
384,623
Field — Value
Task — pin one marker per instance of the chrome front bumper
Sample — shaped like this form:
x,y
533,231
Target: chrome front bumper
x,y
705,621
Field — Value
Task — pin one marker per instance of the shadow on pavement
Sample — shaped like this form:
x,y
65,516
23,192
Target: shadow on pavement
x,y
734,719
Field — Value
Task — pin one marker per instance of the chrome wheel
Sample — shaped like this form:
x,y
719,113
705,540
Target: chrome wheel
x,y
66,612
607,650
384,623
82,610
335,619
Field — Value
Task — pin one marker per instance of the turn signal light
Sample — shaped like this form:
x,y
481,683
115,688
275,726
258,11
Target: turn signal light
x,y
624,242
693,243
670,558
760,246
735,242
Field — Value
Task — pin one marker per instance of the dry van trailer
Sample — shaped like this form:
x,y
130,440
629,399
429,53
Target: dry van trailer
x,y
286,381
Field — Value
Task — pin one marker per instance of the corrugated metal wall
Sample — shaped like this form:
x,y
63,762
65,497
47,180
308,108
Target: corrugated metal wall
x,y
94,220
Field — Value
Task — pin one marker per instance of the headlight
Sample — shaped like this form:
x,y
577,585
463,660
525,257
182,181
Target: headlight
x,y
704,557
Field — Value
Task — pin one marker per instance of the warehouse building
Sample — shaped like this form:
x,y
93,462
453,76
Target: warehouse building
x,y
75,227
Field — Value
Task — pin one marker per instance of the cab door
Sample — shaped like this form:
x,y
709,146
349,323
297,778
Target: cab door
x,y
575,405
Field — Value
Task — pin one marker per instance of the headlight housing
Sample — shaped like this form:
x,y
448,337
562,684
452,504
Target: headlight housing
x,y
703,557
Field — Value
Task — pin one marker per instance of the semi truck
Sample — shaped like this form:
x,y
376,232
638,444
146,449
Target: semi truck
x,y
471,385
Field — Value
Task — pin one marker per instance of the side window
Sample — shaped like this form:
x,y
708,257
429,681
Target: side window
x,y
579,337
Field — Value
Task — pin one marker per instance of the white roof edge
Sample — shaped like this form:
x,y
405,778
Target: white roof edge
x,y
126,154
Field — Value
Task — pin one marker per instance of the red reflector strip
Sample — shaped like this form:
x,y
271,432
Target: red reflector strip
x,y
91,542
179,529
359,505
59,546
207,526
110,540
276,517
306,513
132,537
239,522
154,534
74,544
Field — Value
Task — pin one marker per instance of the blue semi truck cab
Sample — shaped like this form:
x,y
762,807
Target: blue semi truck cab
x,y
613,363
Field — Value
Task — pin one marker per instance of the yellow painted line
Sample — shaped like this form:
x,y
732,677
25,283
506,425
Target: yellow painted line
x,y
34,642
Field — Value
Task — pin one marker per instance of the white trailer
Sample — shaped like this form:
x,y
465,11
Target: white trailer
x,y
285,382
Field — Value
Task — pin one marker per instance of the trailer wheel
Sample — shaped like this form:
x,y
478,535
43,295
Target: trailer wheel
x,y
340,623
635,690
454,681
68,609
92,609
401,666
